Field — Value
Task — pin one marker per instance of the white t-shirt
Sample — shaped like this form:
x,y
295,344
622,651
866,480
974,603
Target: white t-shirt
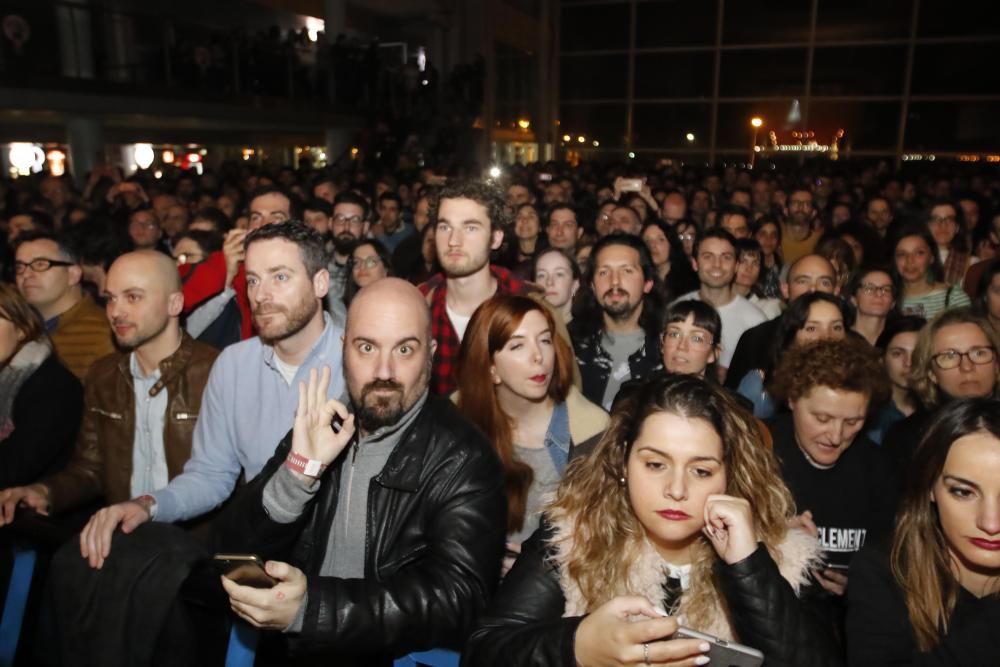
x,y
737,316
287,370
770,307
459,322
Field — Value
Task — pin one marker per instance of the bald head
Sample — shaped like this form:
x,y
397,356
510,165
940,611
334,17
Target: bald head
x,y
811,273
388,351
144,300
674,207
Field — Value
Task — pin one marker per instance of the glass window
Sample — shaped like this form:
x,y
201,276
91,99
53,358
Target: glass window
x,y
593,77
946,125
667,125
675,23
604,123
760,21
594,27
675,74
949,18
955,68
866,125
866,70
763,73
734,129
840,20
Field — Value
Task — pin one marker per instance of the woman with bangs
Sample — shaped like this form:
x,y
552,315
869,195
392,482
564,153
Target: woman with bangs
x,y
933,598
677,518
515,382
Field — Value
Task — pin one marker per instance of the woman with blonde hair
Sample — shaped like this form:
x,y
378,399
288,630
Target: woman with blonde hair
x,y
955,357
515,382
34,385
934,598
677,518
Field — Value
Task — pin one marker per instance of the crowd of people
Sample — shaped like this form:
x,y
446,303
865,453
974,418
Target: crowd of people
x,y
573,415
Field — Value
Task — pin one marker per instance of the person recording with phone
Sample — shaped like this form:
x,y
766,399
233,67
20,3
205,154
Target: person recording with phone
x,y
677,518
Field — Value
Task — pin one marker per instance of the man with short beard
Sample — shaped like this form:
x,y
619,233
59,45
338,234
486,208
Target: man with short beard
x,y
798,238
348,225
253,388
616,319
400,509
140,404
469,218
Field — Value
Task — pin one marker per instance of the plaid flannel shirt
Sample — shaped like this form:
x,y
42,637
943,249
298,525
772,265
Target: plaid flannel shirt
x,y
443,381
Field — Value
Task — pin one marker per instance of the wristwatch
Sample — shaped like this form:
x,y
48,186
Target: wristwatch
x,y
308,467
148,503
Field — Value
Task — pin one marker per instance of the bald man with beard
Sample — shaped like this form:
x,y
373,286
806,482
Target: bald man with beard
x,y
140,403
386,536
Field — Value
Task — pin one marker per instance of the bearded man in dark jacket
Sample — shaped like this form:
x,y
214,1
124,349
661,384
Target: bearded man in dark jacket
x,y
398,546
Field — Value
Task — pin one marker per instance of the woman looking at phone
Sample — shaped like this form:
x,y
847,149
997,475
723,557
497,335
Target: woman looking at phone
x,y
934,598
678,517
515,382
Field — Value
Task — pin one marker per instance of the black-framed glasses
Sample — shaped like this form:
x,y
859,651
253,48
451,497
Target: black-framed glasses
x,y
348,219
40,265
979,355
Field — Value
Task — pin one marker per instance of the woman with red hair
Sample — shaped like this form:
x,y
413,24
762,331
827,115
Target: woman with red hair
x,y
515,381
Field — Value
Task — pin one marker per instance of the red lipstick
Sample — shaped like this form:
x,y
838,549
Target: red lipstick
x,y
674,515
989,545
538,379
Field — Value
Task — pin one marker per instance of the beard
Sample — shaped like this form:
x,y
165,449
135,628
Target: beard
x,y
296,317
384,408
464,266
137,337
344,243
618,310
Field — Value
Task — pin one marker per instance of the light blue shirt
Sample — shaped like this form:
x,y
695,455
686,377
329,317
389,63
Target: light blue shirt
x,y
149,461
246,410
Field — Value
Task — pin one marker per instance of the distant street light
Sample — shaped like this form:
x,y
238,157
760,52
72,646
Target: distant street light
x,y
755,122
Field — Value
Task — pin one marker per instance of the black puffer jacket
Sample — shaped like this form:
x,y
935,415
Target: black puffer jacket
x,y
435,539
524,624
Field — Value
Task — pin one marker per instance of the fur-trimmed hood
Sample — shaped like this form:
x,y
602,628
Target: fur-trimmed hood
x,y
798,552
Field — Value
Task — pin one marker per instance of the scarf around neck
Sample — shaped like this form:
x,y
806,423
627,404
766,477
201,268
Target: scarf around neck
x,y
17,371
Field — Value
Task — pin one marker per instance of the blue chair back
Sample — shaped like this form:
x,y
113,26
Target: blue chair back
x,y
15,603
242,649
438,657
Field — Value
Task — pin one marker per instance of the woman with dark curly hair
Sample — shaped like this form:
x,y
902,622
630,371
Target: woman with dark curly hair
x,y
840,480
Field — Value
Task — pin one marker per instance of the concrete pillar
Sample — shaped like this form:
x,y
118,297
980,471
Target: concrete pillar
x,y
338,142
73,25
85,136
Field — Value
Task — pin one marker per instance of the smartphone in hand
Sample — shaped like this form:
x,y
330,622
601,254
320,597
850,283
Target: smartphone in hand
x,y
724,652
244,569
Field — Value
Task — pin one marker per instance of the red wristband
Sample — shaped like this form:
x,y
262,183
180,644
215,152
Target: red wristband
x,y
308,467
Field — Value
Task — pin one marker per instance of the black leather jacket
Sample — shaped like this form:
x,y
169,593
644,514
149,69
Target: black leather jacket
x,y
524,624
435,540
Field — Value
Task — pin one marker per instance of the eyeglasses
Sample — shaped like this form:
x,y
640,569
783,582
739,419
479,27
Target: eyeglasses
x,y
686,237
367,262
880,290
695,339
949,359
39,265
347,219
943,218
800,203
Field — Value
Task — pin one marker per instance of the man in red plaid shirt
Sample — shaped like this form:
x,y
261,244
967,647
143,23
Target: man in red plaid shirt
x,y
470,217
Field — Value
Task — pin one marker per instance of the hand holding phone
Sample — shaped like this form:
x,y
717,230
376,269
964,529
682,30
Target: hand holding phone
x,y
244,569
724,652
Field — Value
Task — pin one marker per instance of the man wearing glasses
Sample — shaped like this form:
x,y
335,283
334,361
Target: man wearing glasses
x,y
348,225
798,238
48,276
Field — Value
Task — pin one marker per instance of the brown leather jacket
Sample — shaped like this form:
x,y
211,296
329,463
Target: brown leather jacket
x,y
102,461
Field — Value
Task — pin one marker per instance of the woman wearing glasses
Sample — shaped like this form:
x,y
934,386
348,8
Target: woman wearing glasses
x,y
873,293
955,357
370,261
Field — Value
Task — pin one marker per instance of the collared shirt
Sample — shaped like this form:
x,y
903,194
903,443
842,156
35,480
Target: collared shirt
x,y
339,274
149,460
246,410
403,232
